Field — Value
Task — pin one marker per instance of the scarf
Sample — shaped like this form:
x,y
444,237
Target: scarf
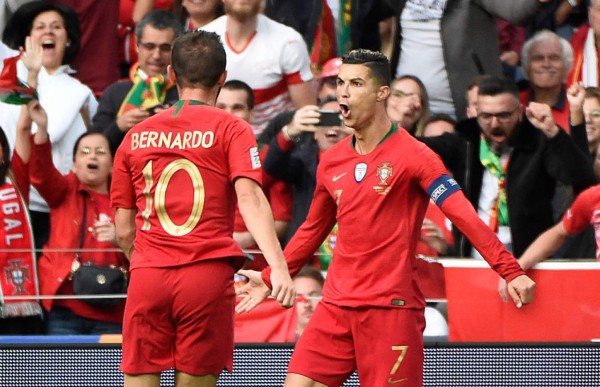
x,y
144,93
491,162
12,90
18,276
585,62
344,23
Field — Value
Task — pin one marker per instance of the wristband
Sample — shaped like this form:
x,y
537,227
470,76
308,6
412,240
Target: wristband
x,y
287,136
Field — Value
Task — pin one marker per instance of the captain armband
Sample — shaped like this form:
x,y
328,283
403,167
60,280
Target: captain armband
x,y
442,188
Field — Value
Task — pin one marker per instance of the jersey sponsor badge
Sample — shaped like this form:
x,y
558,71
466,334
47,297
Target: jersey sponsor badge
x,y
255,158
360,171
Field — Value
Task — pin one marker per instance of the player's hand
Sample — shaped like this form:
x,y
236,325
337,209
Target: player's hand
x,y
521,290
131,118
283,287
502,290
254,292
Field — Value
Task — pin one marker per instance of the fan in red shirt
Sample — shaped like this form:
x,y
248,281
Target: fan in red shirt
x,y
176,179
376,184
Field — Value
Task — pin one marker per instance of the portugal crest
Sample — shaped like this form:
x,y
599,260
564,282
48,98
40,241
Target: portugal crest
x,y
17,275
384,172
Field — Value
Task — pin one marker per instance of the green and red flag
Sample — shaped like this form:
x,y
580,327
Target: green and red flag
x,y
12,89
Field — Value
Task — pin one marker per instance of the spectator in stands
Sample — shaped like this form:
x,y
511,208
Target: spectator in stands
x,y
439,124
591,112
581,214
585,48
546,60
326,81
457,40
511,39
294,154
82,220
196,14
18,317
129,102
408,105
237,98
471,96
131,12
97,62
309,289
281,75
510,175
50,33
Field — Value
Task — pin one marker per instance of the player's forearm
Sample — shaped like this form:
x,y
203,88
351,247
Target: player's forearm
x,y
125,230
258,217
462,214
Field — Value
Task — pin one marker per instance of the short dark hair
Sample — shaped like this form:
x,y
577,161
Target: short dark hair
x,y
20,24
492,85
235,84
311,272
160,20
198,59
87,134
378,64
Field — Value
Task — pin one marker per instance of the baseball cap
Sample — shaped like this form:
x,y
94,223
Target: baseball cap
x,y
331,68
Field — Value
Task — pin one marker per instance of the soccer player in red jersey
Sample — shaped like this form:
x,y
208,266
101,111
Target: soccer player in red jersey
x,y
376,184
176,179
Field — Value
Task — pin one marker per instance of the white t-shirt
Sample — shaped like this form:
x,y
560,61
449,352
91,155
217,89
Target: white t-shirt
x,y
274,58
421,51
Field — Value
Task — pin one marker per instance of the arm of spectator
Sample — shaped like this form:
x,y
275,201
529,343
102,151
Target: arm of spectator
x,y
540,116
258,217
563,12
141,8
387,33
515,11
545,245
302,94
125,229
23,135
433,236
32,59
576,96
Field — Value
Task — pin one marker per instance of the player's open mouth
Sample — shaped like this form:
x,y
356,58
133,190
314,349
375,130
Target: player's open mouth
x,y
345,110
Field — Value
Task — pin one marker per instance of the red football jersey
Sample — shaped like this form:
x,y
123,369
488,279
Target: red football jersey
x,y
177,169
584,211
379,200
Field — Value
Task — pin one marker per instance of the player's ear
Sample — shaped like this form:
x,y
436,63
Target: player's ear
x,y
171,74
383,93
222,78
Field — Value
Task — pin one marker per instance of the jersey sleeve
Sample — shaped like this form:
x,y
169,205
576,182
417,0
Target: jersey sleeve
x,y
462,214
242,152
295,61
320,220
122,192
579,215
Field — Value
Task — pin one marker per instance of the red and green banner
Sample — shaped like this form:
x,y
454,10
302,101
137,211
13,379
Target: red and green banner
x,y
13,90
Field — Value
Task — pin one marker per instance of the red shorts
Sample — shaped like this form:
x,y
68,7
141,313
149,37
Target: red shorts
x,y
385,345
180,317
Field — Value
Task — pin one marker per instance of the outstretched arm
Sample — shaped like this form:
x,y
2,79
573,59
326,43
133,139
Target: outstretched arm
x,y
258,217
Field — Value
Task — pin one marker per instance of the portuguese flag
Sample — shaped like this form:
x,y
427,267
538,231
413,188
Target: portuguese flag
x,y
13,90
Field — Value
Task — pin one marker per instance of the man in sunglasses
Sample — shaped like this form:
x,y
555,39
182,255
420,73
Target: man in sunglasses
x,y
148,90
508,160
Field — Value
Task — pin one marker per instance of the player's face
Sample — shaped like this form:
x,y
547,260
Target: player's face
x,y
242,9
307,289
48,30
547,68
234,102
93,162
154,50
591,111
498,116
327,136
357,95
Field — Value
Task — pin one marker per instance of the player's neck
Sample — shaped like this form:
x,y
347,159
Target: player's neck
x,y
366,139
208,96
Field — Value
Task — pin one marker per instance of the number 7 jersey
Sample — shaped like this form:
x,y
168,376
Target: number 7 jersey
x,y
177,169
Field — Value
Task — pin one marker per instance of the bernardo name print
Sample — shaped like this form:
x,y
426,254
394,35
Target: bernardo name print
x,y
170,140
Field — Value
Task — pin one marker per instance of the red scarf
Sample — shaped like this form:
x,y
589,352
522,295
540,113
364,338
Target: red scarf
x,y
18,274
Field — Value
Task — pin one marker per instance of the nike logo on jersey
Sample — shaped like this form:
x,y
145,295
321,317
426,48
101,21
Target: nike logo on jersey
x,y
336,178
392,381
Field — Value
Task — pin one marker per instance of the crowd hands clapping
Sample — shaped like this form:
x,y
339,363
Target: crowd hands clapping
x,y
489,121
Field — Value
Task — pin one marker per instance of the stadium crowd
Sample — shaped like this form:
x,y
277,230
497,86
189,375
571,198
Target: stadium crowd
x,y
506,92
